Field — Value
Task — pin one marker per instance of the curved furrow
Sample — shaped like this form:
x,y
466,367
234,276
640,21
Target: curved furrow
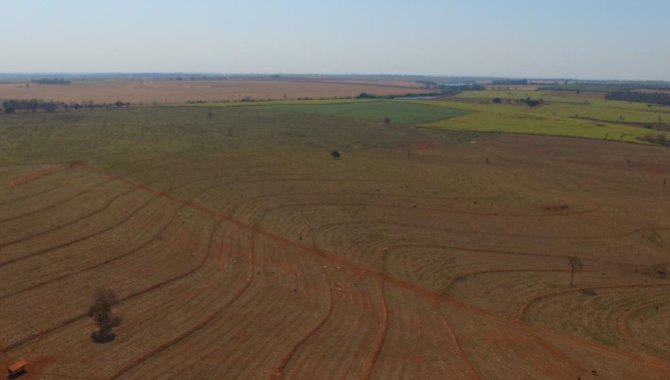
x,y
625,317
68,306
597,316
477,232
340,346
419,209
78,219
279,370
469,368
545,297
221,274
54,205
265,329
40,192
320,253
69,312
76,240
417,345
506,252
485,290
100,264
498,351
371,360
202,324
648,328
146,310
24,179
218,186
267,297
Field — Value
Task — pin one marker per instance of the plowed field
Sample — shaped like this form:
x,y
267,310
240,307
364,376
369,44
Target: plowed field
x,y
240,249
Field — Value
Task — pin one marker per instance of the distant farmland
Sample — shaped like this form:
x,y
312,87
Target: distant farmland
x,y
149,92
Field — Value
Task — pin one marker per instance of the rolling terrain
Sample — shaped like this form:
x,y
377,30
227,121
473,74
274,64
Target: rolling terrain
x,y
240,249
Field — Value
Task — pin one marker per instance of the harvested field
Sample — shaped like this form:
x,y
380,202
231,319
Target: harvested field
x,y
149,92
240,248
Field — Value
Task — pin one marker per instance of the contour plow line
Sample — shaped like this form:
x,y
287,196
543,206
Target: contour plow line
x,y
390,280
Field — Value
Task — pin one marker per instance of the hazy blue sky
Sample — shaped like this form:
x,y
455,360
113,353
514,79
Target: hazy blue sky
x,y
600,39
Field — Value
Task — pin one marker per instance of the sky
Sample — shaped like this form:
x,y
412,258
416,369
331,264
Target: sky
x,y
577,39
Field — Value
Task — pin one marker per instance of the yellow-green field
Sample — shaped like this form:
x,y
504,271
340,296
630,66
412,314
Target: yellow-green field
x,y
562,114
567,114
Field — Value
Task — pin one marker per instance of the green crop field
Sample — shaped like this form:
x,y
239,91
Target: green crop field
x,y
397,112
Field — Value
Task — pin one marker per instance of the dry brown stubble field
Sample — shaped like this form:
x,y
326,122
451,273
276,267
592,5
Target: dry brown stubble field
x,y
254,255
163,91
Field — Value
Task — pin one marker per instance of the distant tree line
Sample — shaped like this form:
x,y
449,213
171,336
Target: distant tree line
x,y
443,90
510,82
34,105
606,86
658,139
365,95
532,102
450,90
59,81
642,97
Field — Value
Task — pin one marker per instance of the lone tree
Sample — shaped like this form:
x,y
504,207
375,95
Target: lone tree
x,y
387,120
335,154
575,263
102,315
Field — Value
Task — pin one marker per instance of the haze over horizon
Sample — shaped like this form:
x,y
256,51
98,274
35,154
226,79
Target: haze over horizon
x,y
600,39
